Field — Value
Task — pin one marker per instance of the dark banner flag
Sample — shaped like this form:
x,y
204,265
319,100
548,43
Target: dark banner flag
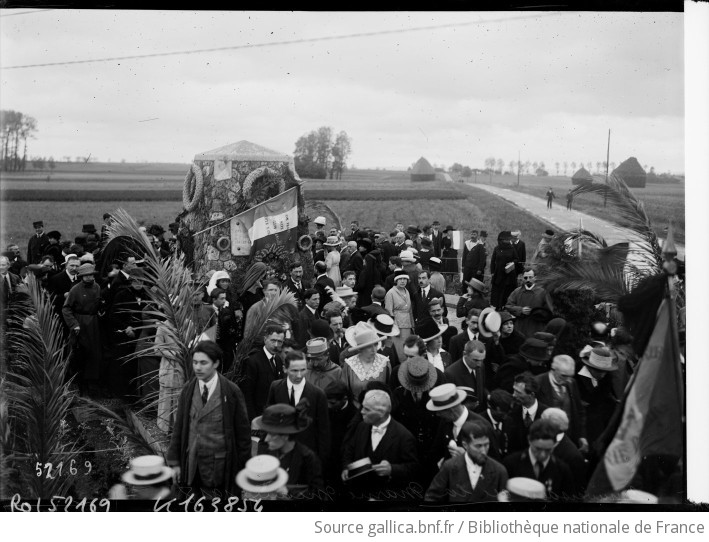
x,y
652,421
274,221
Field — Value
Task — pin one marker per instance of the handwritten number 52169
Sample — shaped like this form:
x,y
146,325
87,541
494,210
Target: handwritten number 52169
x,y
53,471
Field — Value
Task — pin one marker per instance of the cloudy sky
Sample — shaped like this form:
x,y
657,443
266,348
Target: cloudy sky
x,y
483,84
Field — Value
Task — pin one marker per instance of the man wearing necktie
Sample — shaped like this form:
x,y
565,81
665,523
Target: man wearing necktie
x,y
261,368
425,294
538,462
526,410
210,441
470,371
471,333
294,283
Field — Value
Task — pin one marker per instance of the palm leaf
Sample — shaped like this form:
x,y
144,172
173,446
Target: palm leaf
x,y
38,396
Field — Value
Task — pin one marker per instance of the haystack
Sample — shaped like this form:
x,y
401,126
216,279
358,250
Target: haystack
x,y
632,173
582,176
423,171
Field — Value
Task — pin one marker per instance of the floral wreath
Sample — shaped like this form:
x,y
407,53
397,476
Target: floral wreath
x,y
260,172
193,188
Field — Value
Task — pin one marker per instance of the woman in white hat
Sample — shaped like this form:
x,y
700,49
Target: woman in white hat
x,y
332,259
366,364
398,302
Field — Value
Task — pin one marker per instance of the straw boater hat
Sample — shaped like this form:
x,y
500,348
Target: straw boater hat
x,y
344,291
147,470
417,374
428,330
407,256
489,322
475,284
523,489
359,467
445,396
282,419
332,241
534,350
601,359
320,221
262,474
316,347
361,336
384,324
86,269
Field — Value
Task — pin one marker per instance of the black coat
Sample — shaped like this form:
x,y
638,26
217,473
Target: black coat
x,y
298,293
556,476
444,434
474,262
320,284
60,284
458,374
457,344
259,374
576,411
237,431
421,303
303,466
317,435
515,430
36,246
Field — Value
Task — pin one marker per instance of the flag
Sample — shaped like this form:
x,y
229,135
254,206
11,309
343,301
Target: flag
x,y
652,417
274,221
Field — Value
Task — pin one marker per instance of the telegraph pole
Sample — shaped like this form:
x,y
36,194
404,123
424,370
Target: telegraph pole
x,y
518,158
608,154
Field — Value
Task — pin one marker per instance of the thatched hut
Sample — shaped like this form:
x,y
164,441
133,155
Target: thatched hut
x,y
632,173
225,182
582,176
423,171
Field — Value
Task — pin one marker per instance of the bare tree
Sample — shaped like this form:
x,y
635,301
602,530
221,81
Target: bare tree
x,y
566,167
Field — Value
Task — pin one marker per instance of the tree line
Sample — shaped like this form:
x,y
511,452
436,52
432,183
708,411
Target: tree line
x,y
319,153
15,129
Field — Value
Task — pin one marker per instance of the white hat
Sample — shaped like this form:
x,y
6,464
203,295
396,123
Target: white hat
x,y
444,397
320,221
147,470
262,474
361,335
407,256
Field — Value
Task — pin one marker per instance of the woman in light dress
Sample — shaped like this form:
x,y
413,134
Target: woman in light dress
x,y
332,259
367,364
398,303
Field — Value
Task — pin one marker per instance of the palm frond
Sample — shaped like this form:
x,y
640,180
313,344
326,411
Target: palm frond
x,y
280,308
39,397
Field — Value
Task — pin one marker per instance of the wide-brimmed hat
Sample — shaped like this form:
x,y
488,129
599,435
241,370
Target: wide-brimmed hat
x,y
86,269
417,374
320,221
523,489
262,474
541,314
361,336
489,322
476,284
407,256
54,234
534,349
428,329
413,230
505,317
449,228
601,359
88,228
345,291
434,263
147,470
316,347
365,242
384,324
504,235
282,419
320,329
444,397
332,241
359,467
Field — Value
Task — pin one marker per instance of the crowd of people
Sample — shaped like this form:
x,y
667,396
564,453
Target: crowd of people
x,y
370,392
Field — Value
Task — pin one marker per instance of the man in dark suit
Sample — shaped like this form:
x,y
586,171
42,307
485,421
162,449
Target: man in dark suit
x,y
389,445
437,238
308,315
471,333
521,251
537,461
425,294
294,283
472,476
376,308
474,259
321,283
62,282
227,326
54,249
566,450
356,262
499,404
435,311
210,441
37,244
557,388
262,367
470,371
526,410
293,390
8,288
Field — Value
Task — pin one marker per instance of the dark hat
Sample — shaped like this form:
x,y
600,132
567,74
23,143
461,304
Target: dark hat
x,y
435,223
336,389
80,239
548,338
88,228
107,215
555,326
541,314
505,317
156,229
434,264
137,273
413,230
534,350
86,269
483,233
38,224
417,374
365,242
504,235
425,241
428,329
548,234
282,419
54,234
449,228
173,226
320,328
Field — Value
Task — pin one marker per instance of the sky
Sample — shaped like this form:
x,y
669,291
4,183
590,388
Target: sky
x,y
545,85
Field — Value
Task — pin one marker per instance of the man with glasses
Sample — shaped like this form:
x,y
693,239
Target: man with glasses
x,y
558,388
